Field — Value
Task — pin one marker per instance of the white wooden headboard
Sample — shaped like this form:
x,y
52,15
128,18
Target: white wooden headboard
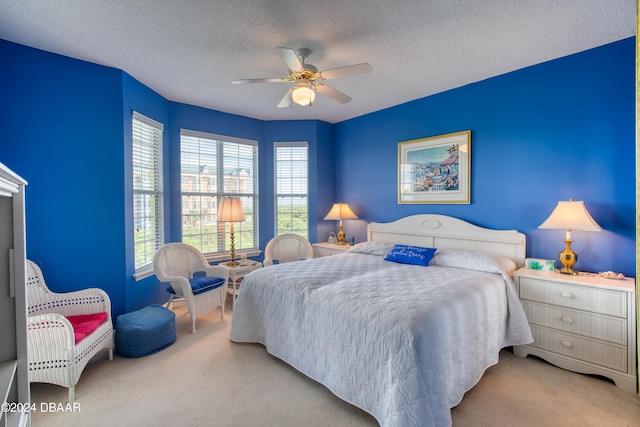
x,y
445,232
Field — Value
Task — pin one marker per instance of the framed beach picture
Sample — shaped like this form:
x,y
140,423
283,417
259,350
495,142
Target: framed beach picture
x,y
435,169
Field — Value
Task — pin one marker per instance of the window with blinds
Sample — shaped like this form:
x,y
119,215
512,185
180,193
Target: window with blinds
x,y
212,167
291,172
147,188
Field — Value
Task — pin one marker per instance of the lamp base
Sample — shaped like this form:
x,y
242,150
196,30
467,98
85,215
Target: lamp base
x,y
567,271
341,235
233,262
568,259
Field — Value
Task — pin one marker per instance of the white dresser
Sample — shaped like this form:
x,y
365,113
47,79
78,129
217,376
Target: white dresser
x,y
583,323
14,366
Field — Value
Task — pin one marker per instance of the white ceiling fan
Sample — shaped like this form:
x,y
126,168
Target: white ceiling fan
x,y
308,79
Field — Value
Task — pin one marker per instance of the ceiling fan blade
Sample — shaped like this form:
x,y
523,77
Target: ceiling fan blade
x,y
274,80
291,59
286,101
333,93
350,70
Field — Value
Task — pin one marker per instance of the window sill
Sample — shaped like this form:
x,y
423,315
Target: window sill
x,y
220,257
143,272
147,270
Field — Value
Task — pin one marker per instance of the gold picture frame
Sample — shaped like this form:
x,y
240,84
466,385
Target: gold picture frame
x,y
436,169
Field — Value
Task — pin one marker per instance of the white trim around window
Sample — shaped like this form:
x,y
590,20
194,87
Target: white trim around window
x,y
291,172
148,194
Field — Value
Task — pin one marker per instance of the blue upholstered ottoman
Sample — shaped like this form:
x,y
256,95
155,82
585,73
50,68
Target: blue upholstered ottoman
x,y
145,331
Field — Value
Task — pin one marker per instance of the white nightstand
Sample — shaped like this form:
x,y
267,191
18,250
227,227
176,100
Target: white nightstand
x,y
237,273
583,323
328,249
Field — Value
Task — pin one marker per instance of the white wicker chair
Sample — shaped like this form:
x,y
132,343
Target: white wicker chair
x,y
54,357
176,263
287,248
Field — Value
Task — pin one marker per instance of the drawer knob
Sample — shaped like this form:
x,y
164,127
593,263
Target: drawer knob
x,y
567,319
566,344
567,294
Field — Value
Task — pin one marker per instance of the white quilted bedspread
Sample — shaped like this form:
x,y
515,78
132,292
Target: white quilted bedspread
x,y
402,342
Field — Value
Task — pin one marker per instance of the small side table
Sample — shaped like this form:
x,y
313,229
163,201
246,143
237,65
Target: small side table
x,y
237,273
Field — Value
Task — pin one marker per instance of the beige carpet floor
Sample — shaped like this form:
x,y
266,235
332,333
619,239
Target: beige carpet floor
x,y
206,380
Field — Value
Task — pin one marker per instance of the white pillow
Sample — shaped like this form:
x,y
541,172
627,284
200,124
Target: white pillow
x,y
371,248
470,260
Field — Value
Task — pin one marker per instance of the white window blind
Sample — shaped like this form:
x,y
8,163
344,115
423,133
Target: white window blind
x,y
147,188
291,172
212,167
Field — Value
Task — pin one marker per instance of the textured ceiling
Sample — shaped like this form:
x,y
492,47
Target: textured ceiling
x,y
190,51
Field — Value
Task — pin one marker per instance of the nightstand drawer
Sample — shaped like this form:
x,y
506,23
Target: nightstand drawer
x,y
328,249
584,298
613,329
604,354
320,252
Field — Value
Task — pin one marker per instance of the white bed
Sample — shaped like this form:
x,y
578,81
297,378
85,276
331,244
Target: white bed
x,y
402,342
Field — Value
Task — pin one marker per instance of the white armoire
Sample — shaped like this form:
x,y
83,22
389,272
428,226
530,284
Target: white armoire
x,y
14,367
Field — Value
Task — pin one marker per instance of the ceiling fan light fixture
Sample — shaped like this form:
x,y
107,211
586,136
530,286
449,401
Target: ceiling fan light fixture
x,y
303,95
308,79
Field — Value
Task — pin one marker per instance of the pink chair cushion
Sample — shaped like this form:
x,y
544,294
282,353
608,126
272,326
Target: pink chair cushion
x,y
85,324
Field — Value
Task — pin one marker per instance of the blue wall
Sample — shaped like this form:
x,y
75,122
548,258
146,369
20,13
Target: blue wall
x,y
66,128
546,133
62,131
138,97
559,130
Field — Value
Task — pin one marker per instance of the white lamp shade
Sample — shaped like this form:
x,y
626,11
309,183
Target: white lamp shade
x,y
230,210
303,95
570,215
340,211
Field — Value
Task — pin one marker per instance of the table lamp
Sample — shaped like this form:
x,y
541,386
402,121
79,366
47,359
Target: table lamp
x,y
570,215
338,212
230,210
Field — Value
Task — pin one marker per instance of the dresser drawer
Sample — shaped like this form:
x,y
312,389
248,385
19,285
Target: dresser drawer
x,y
584,298
613,329
600,353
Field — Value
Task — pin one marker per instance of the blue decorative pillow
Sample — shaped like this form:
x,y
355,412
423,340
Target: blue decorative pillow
x,y
415,255
202,284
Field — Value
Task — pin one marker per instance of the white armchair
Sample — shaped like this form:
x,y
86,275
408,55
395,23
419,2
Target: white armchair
x,y
176,264
287,248
64,330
